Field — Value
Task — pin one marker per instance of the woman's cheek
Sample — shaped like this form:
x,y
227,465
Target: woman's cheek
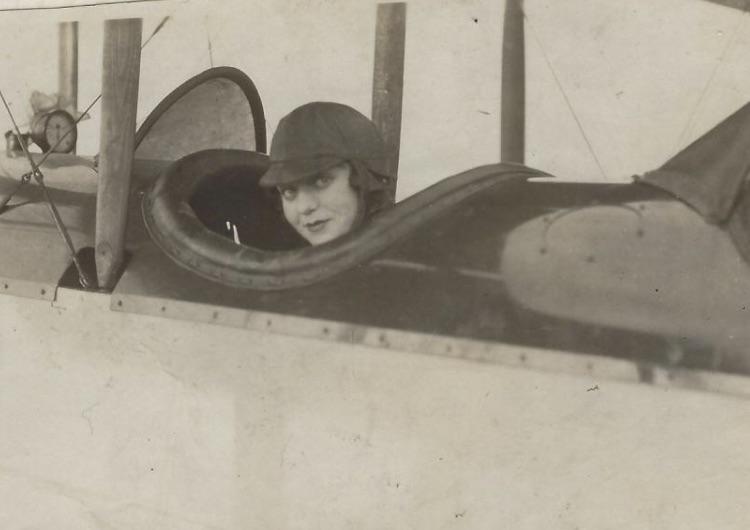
x,y
290,212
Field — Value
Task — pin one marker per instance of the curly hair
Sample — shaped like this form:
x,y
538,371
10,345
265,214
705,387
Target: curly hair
x,y
374,191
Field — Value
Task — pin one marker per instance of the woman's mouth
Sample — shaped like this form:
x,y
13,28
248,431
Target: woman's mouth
x,y
316,226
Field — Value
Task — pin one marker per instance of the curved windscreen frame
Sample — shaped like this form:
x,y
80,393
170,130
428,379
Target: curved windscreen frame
x,y
233,78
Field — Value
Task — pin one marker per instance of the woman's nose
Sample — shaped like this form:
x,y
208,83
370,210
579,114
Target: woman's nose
x,y
307,201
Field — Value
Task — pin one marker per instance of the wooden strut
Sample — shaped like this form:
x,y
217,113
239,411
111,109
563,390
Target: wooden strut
x,y
121,70
388,77
513,83
68,63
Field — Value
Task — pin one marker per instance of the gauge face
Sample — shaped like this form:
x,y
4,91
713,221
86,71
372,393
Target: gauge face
x,y
60,132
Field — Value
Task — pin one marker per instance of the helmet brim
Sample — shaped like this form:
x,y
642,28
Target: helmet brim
x,y
286,172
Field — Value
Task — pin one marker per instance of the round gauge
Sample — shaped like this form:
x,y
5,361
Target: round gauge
x,y
54,131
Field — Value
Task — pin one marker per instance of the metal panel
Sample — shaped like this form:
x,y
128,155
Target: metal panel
x,y
135,296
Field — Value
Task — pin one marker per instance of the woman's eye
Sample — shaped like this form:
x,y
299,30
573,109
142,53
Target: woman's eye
x,y
323,180
289,194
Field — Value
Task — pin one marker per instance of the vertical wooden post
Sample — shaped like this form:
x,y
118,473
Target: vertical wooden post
x,y
513,105
68,62
388,76
121,71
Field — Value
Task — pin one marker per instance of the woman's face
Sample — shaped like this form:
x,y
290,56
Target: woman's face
x,y
323,207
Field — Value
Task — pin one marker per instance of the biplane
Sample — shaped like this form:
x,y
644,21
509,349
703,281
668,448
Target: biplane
x,y
167,244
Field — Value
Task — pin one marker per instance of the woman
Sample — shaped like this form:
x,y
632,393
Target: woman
x,y
328,163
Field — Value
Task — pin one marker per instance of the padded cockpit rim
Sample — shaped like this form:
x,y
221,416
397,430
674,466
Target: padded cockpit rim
x,y
175,228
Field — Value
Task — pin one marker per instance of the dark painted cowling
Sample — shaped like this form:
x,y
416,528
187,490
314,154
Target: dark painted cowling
x,y
442,278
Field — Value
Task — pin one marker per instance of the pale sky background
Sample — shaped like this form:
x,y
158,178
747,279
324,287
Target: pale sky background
x,y
644,77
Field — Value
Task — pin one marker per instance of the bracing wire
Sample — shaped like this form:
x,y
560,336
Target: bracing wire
x,y
709,82
210,45
39,177
565,97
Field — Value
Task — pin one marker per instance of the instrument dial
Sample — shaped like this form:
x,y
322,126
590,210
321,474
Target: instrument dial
x,y
54,131
60,132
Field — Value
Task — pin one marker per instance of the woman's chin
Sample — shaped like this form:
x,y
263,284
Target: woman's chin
x,y
319,239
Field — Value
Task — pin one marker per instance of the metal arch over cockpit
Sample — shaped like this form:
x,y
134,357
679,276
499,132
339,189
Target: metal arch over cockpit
x,y
217,109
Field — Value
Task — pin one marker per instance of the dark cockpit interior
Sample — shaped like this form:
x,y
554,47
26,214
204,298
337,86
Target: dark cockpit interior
x,y
232,204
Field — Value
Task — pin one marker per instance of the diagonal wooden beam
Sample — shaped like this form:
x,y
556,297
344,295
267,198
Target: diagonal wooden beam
x,y
122,60
68,62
